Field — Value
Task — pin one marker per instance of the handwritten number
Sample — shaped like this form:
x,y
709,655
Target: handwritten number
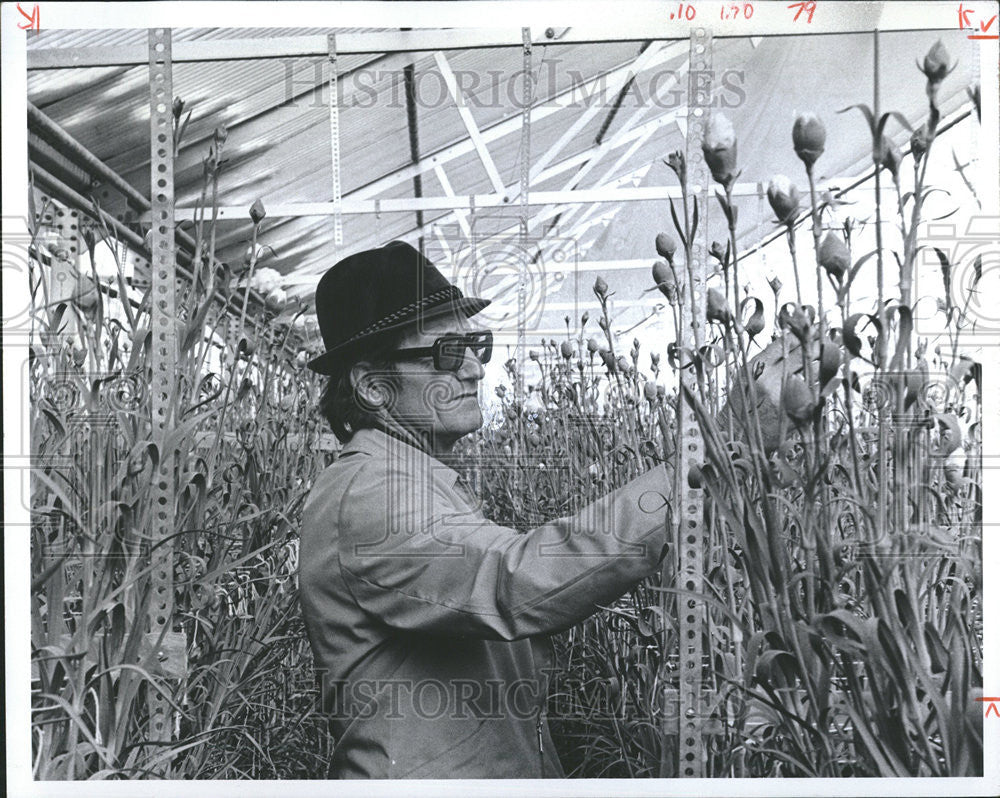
x,y
732,11
809,7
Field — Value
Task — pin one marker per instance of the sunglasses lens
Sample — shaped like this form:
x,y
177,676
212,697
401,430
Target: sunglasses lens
x,y
450,350
483,347
450,353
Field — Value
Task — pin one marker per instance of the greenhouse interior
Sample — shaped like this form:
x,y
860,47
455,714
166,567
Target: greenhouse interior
x,y
749,259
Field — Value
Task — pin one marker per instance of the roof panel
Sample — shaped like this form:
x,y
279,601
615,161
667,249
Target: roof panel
x,y
278,146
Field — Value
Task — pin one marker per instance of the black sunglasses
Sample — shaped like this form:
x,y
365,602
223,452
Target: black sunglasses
x,y
449,350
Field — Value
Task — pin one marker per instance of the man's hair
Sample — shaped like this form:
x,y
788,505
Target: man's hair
x,y
339,402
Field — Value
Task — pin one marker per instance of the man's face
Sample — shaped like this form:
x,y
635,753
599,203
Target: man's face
x,y
441,404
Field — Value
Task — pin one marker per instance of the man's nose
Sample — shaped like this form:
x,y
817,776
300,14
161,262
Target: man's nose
x,y
472,368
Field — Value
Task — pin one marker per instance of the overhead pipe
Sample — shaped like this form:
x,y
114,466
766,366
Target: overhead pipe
x,y
73,198
50,132
49,158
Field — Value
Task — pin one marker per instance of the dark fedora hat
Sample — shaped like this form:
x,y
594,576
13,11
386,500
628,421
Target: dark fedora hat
x,y
373,292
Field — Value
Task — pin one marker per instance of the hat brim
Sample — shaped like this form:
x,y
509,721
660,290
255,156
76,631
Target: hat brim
x,y
330,361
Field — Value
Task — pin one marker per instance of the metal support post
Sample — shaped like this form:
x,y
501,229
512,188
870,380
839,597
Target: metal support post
x,y
338,222
522,282
163,314
691,714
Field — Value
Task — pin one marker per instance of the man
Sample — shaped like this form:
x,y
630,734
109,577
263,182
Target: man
x,y
429,624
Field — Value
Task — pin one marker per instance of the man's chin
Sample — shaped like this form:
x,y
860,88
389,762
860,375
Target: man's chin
x,y
474,425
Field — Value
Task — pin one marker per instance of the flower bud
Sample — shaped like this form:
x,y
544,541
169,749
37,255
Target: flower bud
x,y
784,199
276,300
796,399
834,256
829,362
178,108
775,284
86,296
247,347
797,318
566,349
584,318
717,251
919,142
600,287
533,354
719,148
677,162
936,65
664,279
716,308
221,134
603,323
695,479
755,324
257,212
649,391
666,247
890,157
609,361
623,364
809,138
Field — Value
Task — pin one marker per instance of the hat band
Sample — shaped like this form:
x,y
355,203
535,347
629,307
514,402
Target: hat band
x,y
435,298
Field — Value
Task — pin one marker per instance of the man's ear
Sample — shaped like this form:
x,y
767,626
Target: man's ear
x,y
374,389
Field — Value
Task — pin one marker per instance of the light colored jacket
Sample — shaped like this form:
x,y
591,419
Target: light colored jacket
x,y
430,625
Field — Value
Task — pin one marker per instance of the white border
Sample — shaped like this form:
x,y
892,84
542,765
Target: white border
x,y
394,15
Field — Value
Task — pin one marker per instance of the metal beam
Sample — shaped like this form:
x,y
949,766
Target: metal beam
x,y
449,192
616,140
643,132
469,202
568,98
768,20
475,136
621,79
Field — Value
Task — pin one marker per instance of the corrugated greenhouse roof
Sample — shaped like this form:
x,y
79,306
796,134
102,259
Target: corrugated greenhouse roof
x,y
278,122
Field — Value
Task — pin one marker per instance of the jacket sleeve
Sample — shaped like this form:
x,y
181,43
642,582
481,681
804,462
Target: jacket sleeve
x,y
416,557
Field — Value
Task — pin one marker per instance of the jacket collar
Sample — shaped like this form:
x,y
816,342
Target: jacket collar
x,y
377,443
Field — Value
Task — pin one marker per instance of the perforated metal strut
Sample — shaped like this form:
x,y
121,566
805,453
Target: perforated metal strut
x,y
338,219
692,711
163,314
525,180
